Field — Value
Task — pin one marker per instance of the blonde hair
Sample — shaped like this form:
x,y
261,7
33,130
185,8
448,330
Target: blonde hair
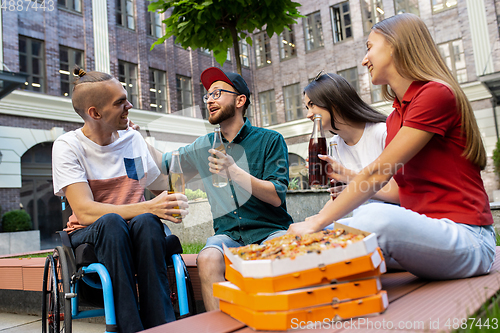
x,y
417,58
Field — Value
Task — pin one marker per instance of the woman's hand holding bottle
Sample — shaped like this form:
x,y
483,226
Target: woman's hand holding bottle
x,y
339,175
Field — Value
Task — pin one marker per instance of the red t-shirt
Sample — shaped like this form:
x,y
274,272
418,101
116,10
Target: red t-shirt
x,y
438,181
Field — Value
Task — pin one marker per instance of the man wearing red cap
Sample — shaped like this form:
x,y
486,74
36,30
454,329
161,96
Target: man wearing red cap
x,y
252,207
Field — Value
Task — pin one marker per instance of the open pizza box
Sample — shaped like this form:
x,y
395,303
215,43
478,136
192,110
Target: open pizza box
x,y
297,298
366,266
269,268
284,320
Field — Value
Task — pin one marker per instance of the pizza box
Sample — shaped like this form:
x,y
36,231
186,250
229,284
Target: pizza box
x,y
381,269
269,268
309,277
297,298
284,320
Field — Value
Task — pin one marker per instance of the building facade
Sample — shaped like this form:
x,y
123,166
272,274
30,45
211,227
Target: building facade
x,y
332,37
115,37
164,84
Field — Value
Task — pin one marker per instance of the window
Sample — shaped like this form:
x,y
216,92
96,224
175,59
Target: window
x,y
406,6
287,43
454,57
184,95
153,23
298,171
157,91
244,53
32,63
293,102
439,5
204,51
37,195
125,13
127,75
249,114
75,5
203,106
267,106
313,31
373,12
351,75
341,21
68,58
376,92
262,49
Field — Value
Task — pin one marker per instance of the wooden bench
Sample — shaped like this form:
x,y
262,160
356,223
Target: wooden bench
x,y
416,305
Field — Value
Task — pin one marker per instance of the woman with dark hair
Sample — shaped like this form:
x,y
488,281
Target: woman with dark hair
x,y
434,151
360,131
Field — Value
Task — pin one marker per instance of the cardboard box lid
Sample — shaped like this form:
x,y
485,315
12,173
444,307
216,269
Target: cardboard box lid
x,y
306,278
269,268
297,298
293,319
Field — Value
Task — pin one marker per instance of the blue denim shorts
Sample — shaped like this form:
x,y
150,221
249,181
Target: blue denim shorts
x,y
217,241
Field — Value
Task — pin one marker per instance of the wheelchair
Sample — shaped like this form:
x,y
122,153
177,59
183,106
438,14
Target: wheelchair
x,y
76,286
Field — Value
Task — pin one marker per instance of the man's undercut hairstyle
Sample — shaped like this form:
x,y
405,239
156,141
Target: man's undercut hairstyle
x,y
85,93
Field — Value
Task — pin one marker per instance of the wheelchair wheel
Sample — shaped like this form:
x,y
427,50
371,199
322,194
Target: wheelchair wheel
x,y
190,294
56,308
174,295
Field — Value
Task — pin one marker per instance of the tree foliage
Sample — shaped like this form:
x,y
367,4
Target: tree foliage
x,y
218,25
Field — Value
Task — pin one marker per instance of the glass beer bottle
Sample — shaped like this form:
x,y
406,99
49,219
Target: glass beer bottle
x,y
334,152
218,180
176,178
317,145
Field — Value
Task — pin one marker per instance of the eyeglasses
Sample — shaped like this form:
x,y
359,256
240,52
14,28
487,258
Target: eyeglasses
x,y
216,94
321,73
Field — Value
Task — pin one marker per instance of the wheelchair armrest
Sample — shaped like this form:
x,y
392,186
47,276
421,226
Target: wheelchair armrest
x,y
85,255
65,239
173,245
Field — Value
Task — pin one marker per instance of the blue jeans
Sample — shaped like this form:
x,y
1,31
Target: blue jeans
x,y
126,249
217,241
427,247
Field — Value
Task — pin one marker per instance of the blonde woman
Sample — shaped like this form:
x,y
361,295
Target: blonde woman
x,y
434,152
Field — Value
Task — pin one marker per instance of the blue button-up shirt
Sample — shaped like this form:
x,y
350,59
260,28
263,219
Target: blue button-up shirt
x,y
262,153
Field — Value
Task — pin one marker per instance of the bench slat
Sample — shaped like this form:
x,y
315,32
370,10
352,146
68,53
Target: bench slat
x,y
207,322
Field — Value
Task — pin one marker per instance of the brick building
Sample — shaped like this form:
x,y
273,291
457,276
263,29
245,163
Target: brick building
x,y
332,37
164,85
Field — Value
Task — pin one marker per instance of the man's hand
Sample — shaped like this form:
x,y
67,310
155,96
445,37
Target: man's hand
x,y
221,165
165,205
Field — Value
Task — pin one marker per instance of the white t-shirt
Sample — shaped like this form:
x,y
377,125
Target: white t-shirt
x,y
365,151
117,173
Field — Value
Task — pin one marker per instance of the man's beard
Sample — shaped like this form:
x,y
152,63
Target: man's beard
x,y
224,113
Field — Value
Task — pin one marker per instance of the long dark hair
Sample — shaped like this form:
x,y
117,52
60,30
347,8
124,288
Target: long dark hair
x,y
333,92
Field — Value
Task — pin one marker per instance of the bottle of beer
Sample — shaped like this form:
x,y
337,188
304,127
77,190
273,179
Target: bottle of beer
x,y
317,145
218,180
176,178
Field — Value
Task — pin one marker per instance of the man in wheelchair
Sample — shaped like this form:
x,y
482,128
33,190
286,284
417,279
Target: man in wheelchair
x,y
102,169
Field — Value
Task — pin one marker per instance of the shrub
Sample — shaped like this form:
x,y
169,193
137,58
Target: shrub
x,y
192,195
294,184
496,158
16,220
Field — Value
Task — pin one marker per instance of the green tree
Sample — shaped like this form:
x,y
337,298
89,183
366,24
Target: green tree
x,y
218,25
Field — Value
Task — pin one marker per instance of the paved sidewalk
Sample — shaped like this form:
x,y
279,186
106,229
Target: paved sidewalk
x,y
10,323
